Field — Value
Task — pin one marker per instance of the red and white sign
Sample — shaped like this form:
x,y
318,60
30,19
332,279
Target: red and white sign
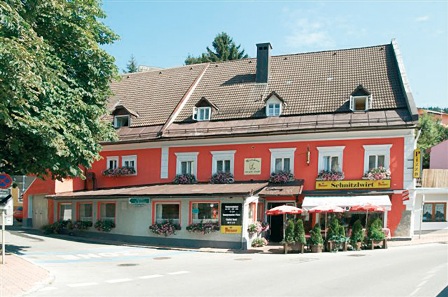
x,y
405,195
5,181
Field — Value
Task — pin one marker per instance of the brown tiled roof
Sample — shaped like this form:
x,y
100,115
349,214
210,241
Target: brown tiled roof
x,y
153,95
289,189
315,88
166,190
309,83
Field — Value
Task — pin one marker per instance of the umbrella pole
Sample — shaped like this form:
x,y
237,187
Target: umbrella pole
x,y
325,230
367,216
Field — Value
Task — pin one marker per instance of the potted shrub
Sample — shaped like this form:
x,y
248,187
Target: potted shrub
x,y
357,236
316,239
299,236
333,235
375,233
288,241
343,240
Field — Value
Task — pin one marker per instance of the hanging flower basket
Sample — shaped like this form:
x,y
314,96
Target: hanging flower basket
x,y
330,175
121,171
377,173
281,177
222,178
184,179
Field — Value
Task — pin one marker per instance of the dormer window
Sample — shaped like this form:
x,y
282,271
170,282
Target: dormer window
x,y
360,99
202,111
273,109
121,121
122,115
274,105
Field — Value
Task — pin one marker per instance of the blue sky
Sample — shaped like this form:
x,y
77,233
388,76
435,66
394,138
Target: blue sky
x,y
163,33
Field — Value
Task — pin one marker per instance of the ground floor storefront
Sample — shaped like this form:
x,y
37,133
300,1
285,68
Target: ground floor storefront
x,y
207,215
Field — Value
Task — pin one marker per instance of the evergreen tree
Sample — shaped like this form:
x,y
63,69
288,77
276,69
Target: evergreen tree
x,y
131,66
225,49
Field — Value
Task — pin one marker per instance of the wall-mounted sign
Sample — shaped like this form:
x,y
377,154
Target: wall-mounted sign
x,y
138,201
417,169
252,166
231,217
352,184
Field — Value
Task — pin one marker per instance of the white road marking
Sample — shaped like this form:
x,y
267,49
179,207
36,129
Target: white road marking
x,y
150,276
48,289
82,285
121,280
178,272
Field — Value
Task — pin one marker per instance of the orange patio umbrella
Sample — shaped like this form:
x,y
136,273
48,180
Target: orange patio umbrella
x,y
367,207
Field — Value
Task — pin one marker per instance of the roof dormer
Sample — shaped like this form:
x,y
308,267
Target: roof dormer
x,y
274,105
360,99
202,111
122,115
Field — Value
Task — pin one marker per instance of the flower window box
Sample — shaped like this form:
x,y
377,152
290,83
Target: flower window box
x,y
120,171
203,227
330,175
281,177
222,178
186,178
378,173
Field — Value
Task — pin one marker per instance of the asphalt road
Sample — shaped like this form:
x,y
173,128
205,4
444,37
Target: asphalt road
x,y
90,269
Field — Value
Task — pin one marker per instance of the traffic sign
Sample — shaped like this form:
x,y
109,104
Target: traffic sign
x,y
5,180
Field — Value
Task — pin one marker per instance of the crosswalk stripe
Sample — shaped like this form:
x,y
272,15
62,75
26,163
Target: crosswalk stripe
x,y
121,280
150,276
177,272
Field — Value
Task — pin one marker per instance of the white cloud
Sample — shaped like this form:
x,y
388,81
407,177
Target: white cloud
x,y
422,18
308,33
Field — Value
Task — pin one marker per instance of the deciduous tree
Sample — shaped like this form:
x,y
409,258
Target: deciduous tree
x,y
54,83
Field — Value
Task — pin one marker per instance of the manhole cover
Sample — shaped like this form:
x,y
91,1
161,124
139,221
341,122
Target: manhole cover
x,y
243,259
357,255
162,258
303,260
127,264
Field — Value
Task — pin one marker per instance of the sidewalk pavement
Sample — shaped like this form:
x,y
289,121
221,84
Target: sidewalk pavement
x,y
19,277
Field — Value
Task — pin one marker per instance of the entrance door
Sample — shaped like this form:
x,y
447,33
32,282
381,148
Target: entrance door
x,y
275,225
40,211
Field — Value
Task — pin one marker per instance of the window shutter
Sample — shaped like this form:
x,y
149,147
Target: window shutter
x,y
195,113
352,103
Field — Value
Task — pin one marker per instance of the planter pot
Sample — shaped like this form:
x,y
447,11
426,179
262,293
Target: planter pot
x,y
381,243
357,246
297,247
316,248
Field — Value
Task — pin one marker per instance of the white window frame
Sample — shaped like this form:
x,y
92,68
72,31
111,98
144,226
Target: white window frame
x,y
130,158
158,212
187,157
65,206
204,113
114,159
330,151
103,205
116,123
379,149
222,156
82,218
367,105
273,101
282,153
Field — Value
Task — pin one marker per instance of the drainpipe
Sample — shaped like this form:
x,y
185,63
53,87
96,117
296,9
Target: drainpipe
x,y
421,217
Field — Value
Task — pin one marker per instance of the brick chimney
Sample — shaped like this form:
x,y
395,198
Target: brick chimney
x,y
263,62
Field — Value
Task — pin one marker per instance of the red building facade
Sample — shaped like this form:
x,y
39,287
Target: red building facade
x,y
252,122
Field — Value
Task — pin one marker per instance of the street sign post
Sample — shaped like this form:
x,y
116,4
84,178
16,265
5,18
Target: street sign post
x,y
5,181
